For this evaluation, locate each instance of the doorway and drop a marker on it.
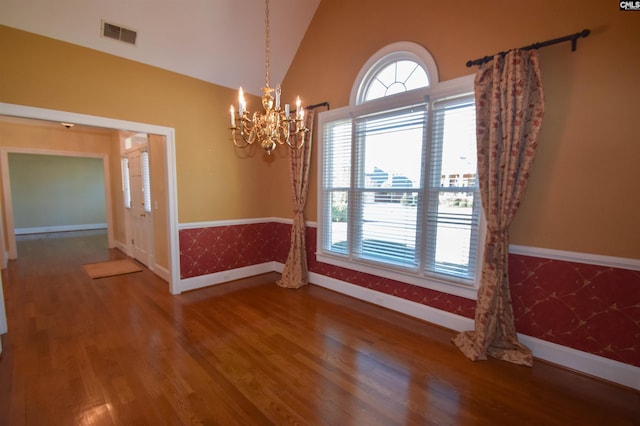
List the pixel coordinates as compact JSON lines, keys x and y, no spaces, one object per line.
{"x":5,"y":152}
{"x":171,"y":224}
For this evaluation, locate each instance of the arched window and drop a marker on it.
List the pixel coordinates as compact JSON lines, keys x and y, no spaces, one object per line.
{"x":397,"y":68}
{"x":396,"y":77}
{"x":398,"y":194}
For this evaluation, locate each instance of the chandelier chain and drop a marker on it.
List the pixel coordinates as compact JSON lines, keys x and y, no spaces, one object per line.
{"x":267,"y":60}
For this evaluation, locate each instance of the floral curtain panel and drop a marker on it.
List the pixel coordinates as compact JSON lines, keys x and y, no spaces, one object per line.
{"x":295,"y":273}
{"x":509,"y":110}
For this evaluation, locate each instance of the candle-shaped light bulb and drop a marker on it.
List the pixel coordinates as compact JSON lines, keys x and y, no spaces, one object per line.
{"x":233,"y":116}
{"x":298,"y":107}
{"x":278,"y":93}
{"x":241,"y":102}
{"x":286,"y":110}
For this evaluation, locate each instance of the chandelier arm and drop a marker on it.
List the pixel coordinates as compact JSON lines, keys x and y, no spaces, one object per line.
{"x":243,"y":143}
{"x":299,"y":137}
{"x":283,"y":132}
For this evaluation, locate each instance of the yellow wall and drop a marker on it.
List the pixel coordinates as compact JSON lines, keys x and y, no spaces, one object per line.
{"x":213,"y":182}
{"x":581,"y":195}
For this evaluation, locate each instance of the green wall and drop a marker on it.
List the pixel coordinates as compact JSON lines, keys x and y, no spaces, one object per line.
{"x":53,"y":191}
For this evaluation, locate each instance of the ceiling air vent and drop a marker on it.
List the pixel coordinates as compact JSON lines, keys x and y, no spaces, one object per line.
{"x":117,"y":32}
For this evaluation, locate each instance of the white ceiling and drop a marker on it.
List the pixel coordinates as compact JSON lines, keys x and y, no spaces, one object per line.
{"x":219,"y":41}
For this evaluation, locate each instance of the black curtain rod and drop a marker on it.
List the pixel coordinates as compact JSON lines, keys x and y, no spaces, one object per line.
{"x":573,"y":38}
{"x":321,"y":104}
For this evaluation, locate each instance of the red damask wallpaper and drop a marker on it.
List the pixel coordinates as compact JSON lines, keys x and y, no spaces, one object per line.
{"x":590,"y":308}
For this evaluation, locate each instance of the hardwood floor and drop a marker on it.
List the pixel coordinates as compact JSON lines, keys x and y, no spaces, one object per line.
{"x":123,"y":351}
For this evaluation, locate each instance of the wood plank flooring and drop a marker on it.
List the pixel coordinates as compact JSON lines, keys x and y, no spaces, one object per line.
{"x":123,"y":351}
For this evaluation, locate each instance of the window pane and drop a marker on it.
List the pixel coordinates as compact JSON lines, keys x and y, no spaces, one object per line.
{"x":387,"y":75}
{"x":336,"y":183}
{"x":417,"y":79}
{"x":397,"y":77}
{"x":391,"y":147}
{"x":339,"y":203}
{"x":388,"y":227}
{"x":146,"y":181}
{"x":126,"y":183}
{"x":454,"y":220}
{"x":337,"y":154}
{"x":388,"y":168}
{"x":375,"y":90}
{"x":453,"y":215}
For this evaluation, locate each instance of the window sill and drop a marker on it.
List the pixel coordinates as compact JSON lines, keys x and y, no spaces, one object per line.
{"x":456,"y":288}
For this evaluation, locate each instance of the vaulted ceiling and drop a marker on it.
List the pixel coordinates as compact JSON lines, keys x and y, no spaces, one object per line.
{"x":219,"y":41}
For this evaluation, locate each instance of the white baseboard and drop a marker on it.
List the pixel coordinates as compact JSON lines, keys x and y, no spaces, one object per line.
{"x":122,"y":247}
{"x":162,"y":272}
{"x":187,"y":284}
{"x":593,"y":365}
{"x":416,"y":310}
{"x":584,"y":362}
{"x":64,"y":228}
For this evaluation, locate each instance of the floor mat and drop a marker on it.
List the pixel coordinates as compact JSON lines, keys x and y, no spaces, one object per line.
{"x":111,"y":268}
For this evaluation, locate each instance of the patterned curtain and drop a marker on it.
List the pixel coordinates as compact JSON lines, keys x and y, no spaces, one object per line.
{"x":295,"y":273}
{"x":509,"y":110}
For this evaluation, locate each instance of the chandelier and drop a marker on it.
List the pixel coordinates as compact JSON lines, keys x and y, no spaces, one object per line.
{"x":273,"y":127}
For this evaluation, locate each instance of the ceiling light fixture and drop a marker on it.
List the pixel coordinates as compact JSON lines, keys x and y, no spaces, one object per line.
{"x":67,"y":125}
{"x":275,"y":126}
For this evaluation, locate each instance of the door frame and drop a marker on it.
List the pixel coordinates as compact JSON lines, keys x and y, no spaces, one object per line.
{"x":116,"y":124}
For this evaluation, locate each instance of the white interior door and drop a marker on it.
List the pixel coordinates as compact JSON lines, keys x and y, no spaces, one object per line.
{"x":140,"y":211}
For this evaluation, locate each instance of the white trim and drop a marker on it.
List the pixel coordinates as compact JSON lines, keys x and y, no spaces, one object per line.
{"x":229,"y":222}
{"x":201,"y":281}
{"x":584,"y":362}
{"x":123,"y":248}
{"x":416,"y":310}
{"x":597,"y":366}
{"x":162,"y":272}
{"x":169,"y":134}
{"x":235,"y":222}
{"x":61,"y":228}
{"x":570,"y":256}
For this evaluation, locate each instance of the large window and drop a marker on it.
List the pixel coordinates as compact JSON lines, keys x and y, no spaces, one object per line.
{"x":398,"y":195}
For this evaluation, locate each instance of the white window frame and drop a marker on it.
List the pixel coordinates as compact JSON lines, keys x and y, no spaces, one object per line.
{"x":126,"y":182}
{"x":146,"y":179}
{"x":436,"y":91}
